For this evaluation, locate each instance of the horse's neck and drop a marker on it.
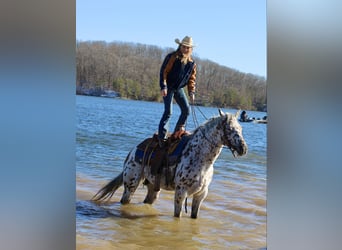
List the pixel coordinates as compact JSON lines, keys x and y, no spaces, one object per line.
{"x":207,"y":140}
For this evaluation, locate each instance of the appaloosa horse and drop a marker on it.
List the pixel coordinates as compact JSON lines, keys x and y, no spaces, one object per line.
{"x":193,"y":172}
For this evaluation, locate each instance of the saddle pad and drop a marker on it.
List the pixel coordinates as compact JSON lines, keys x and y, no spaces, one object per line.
{"x":149,"y":149}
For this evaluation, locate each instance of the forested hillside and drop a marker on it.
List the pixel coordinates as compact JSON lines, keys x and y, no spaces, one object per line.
{"x":132,"y":70}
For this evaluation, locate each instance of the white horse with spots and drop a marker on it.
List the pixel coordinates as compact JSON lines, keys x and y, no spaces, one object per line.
{"x":192,"y":174}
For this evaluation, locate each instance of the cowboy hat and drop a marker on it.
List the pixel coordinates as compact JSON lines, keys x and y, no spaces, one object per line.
{"x":187,"y":41}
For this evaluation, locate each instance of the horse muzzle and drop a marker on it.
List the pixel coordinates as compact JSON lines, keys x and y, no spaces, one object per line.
{"x":240,"y":151}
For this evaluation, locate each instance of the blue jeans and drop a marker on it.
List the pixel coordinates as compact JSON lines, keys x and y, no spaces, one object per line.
{"x":183,"y":103}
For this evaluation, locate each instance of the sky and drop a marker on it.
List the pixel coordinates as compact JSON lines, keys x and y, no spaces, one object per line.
{"x":231,"y":33}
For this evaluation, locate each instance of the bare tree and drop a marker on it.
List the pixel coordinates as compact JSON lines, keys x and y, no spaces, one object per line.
{"x":132,"y":69}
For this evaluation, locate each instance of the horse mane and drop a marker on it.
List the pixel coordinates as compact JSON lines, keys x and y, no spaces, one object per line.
{"x":212,"y":122}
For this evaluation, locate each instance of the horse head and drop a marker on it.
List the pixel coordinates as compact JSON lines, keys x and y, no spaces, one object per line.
{"x":232,"y":133}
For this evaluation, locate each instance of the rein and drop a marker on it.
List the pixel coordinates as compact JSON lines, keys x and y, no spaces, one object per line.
{"x":197,"y":123}
{"x":200,"y":128}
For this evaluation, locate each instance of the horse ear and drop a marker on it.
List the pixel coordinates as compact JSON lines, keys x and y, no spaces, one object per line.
{"x":237,"y":113}
{"x":221,"y":113}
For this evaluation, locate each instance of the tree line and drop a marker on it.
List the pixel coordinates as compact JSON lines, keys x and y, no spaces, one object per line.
{"x":132,"y":70}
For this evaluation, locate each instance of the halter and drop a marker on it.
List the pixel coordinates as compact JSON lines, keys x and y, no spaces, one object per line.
{"x":225,"y":141}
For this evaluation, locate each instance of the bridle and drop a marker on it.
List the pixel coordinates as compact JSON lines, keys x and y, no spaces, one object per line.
{"x":225,"y":140}
{"x":224,"y":123}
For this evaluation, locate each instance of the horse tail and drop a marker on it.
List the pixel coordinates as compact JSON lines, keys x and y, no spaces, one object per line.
{"x":105,"y":193}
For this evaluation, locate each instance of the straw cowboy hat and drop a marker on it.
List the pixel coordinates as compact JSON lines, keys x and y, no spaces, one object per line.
{"x":187,"y":41}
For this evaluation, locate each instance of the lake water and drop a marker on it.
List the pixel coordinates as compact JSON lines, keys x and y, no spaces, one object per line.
{"x":233,"y":216}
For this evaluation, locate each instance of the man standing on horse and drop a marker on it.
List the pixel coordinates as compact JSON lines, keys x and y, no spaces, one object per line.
{"x":177,"y":71}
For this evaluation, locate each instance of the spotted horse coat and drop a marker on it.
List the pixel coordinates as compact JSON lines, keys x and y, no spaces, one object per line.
{"x":192,"y":174}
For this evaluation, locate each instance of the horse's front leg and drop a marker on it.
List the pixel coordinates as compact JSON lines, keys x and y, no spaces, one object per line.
{"x":180,"y":195}
{"x":197,"y":201}
{"x":151,"y":194}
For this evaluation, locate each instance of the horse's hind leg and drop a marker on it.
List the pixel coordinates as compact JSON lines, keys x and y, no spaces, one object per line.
{"x":151,"y":194}
{"x":196,"y":202}
{"x":127,"y":194}
{"x":131,"y":178}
